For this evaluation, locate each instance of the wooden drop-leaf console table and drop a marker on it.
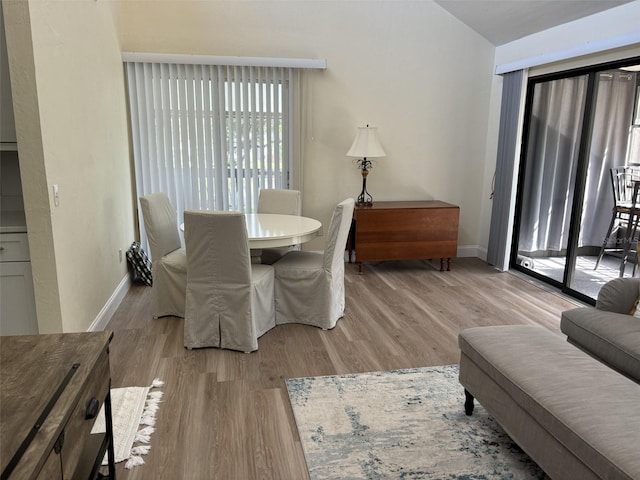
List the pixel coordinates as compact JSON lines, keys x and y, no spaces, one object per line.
{"x":407,"y":230}
{"x":51,"y":390}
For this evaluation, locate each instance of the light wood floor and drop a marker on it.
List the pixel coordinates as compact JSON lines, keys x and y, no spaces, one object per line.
{"x":226,"y":414}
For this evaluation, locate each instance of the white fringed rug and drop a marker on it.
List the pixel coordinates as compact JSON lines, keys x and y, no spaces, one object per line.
{"x":133,"y":411}
{"x":407,"y":424}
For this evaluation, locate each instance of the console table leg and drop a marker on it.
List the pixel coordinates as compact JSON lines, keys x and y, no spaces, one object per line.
{"x":449,"y":264}
{"x":442,"y":264}
{"x":109,"y":427}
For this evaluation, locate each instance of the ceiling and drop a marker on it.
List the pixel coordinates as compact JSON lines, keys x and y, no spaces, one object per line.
{"x":503,"y":21}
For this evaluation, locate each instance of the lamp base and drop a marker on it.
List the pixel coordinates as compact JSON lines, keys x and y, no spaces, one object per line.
{"x":364,"y":199}
{"x":361,"y":202}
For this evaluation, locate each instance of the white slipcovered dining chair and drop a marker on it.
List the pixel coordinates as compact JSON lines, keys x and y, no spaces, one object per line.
{"x":230,"y":301}
{"x":309,"y":285}
{"x":284,"y":202}
{"x":168,"y":257}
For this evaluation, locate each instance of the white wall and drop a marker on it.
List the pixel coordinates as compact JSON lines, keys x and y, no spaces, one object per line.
{"x":409,"y":68}
{"x":605,"y":28}
{"x":69,"y":103}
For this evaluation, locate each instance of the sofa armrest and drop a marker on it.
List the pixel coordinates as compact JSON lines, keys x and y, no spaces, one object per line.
{"x":618,"y":295}
{"x":612,"y":338}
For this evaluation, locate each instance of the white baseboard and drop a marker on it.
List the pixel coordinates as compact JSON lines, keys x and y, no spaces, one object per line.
{"x":463,"y":251}
{"x":101,"y":321}
{"x":472,"y":251}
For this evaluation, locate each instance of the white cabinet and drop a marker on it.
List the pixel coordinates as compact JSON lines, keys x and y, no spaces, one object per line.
{"x":17,"y":302}
{"x":14,"y":247}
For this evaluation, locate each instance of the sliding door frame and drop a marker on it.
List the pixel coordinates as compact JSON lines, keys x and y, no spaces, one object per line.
{"x":580,"y":176}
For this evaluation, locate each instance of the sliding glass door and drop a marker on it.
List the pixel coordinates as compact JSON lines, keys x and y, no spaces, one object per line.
{"x":577,"y":127}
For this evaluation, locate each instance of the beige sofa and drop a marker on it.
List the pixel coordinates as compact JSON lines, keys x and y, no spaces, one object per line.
{"x":576,"y":417}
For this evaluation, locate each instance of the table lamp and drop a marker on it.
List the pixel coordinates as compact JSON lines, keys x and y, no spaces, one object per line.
{"x":366,"y":145}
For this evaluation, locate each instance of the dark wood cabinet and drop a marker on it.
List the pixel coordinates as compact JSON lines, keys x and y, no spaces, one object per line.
{"x":404,"y":231}
{"x":51,"y":390}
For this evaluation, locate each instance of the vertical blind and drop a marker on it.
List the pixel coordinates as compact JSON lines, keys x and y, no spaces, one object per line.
{"x":209,"y":136}
{"x":507,"y":156}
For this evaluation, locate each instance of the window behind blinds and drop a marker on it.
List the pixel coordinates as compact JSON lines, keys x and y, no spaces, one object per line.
{"x":210,"y":136}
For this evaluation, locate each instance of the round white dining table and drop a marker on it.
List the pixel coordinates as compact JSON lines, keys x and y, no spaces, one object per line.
{"x":270,"y":230}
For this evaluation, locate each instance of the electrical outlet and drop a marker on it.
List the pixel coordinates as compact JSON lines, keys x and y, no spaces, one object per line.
{"x":56,"y":196}
{"x":120,"y":255}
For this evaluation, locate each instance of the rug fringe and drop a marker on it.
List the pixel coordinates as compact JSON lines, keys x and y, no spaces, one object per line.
{"x":144,"y":435}
{"x":134,"y":461}
{"x":154,"y":397}
{"x":148,"y":419}
{"x":140,"y":450}
{"x":157,"y":383}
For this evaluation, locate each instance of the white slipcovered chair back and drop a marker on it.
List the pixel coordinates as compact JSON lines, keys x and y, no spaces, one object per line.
{"x":337,"y":235}
{"x":161,"y":224}
{"x":285,"y":202}
{"x":333,"y":260}
{"x":168,"y":257}
{"x":310,"y":285}
{"x":229,"y":302}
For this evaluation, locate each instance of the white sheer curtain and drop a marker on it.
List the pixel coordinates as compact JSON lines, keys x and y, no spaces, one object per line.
{"x":609,"y":141}
{"x":210,"y":136}
{"x":552,"y":156}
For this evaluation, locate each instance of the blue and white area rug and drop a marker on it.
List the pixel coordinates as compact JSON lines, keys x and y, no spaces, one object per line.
{"x":407,"y":424}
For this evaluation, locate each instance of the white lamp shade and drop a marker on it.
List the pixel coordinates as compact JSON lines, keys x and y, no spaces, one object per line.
{"x":366,"y":144}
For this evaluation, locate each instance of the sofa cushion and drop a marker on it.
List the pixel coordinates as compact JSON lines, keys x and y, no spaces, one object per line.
{"x":613,"y":338}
